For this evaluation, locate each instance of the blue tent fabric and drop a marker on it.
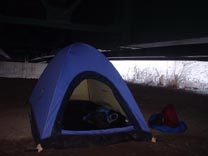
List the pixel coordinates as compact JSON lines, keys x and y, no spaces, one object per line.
{"x":69,"y":63}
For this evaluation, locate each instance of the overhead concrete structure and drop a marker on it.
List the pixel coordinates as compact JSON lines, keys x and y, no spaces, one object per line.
{"x":37,"y":28}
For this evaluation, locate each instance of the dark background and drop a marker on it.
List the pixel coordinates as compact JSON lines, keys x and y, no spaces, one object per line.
{"x":31,"y":29}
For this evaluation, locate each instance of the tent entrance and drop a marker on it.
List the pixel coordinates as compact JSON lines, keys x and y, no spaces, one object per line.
{"x":93,"y":106}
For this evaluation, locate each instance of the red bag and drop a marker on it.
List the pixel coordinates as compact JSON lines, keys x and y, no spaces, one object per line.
{"x":170,"y":116}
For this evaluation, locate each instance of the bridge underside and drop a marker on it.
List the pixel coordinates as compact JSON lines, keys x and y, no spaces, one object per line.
{"x":137,"y":30}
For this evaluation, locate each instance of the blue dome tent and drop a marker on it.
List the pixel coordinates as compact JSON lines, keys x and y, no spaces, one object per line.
{"x":80,"y":72}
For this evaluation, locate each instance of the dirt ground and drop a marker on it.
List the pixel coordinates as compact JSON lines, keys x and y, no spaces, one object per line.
{"x":16,"y":139}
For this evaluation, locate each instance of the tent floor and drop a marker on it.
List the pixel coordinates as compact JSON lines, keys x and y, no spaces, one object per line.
{"x":84,"y":115}
{"x":15,"y":134}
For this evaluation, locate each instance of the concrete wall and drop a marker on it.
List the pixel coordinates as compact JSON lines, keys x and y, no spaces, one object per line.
{"x":21,"y":70}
